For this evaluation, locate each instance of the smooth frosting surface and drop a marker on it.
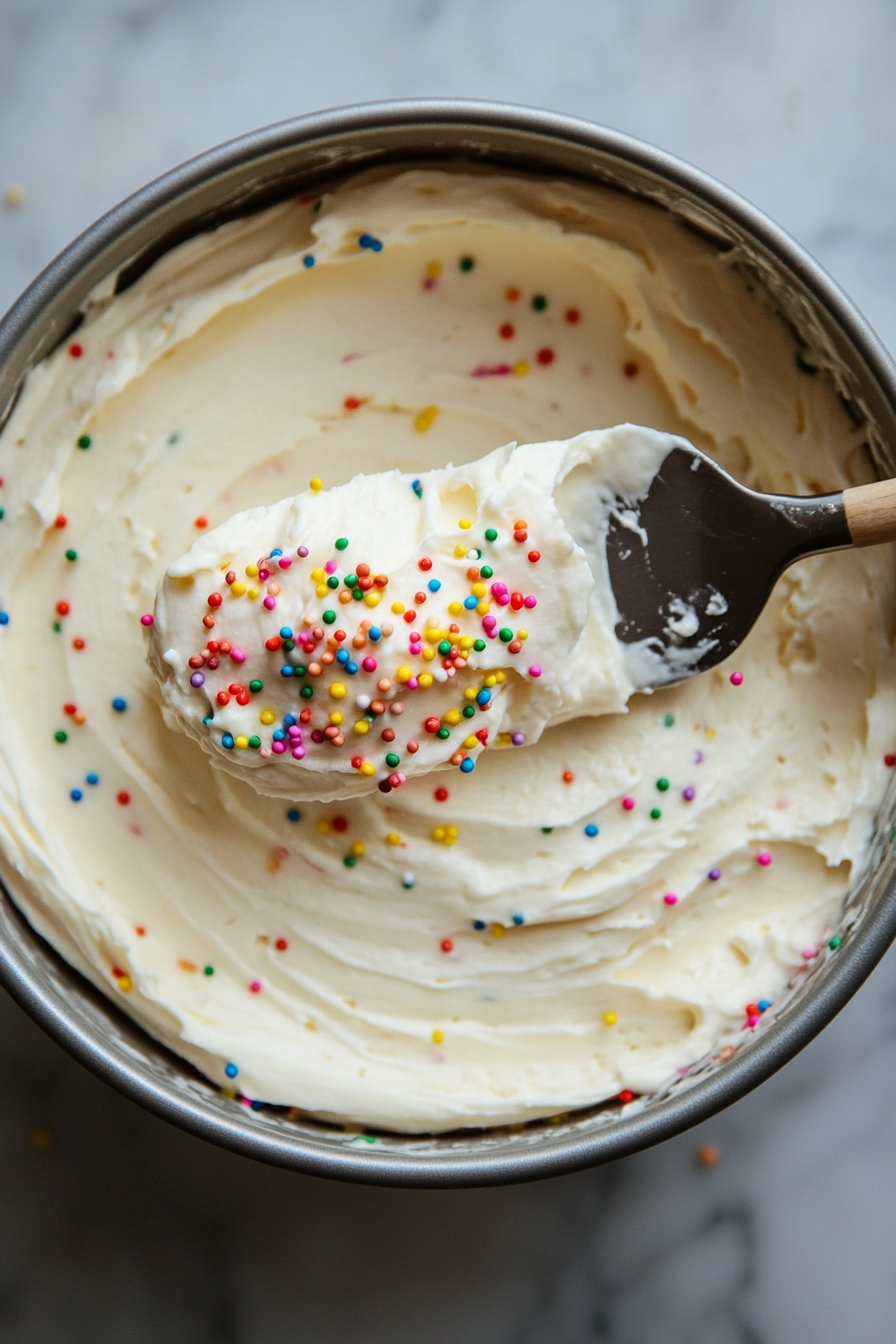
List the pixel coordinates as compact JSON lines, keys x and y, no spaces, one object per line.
{"x":470,"y":948}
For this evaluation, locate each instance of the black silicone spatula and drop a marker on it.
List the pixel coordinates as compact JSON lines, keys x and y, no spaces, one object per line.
{"x":693,"y":562}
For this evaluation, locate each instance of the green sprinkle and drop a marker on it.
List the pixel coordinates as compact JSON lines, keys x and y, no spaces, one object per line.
{"x":443,"y":733}
{"x":2,"y":513}
{"x":546,"y":830}
{"x":835,"y":943}
{"x":306,"y":692}
{"x":466,"y":263}
{"x":256,"y":686}
{"x":357,"y":594}
{"x":655,"y":814}
{"x":173,"y":439}
{"x":61,"y":735}
{"x":539,"y":303}
{"x":341,"y":543}
{"x":478,"y":645}
{"x":333,"y":582}
{"x":208,"y":719}
{"x":299,"y":670}
{"x":662,"y":785}
{"x":289,"y":645}
{"x":486,"y":571}
{"x":444,"y":647}
{"x":71,"y":555}
{"x":57,"y":627}
{"x":208,"y":970}
{"x":84,"y":441}
{"x":804,"y":364}
{"x":392,"y":759}
{"x":329,"y":617}
{"x":254,"y":742}
{"x":349,"y":860}
{"x":668,"y":720}
{"x":491,"y":534}
{"x":505,"y":635}
{"x":351,"y":580}
{"x":468,"y":711}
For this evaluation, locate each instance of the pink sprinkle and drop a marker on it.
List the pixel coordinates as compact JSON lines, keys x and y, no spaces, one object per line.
{"x":763,"y":858}
{"x":498,"y":587}
{"x":298,"y":753}
{"x":255,"y":986}
{"x":302,"y":552}
{"x":736,"y":678}
{"x":284,"y":562}
{"x":146,"y":620}
{"x":530,"y":602}
{"x":278,"y":748}
{"x":670,"y":898}
{"x":330,"y":567}
{"x":752,"y":1019}
{"x":294,"y":730}
{"x":535,"y":670}
{"x":502,"y":599}
{"x":412,"y":683}
{"x":809,"y":953}
{"x":270,"y":603}
{"x":429,"y":283}
{"x":369,"y":664}
{"x":237,"y":656}
{"x":489,"y":622}
{"x":628,"y":804}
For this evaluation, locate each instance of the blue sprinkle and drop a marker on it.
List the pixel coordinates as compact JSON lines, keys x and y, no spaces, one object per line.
{"x":286,"y":670}
{"x":591,"y":830}
{"x":763,"y":1005}
{"x":365,"y":240}
{"x":467,"y":765}
{"x":275,"y":554}
{"x":119,"y":704}
{"x":4,"y":618}
{"x":227,"y":741}
{"x":417,"y":489}
{"x":479,"y":925}
{"x":434,"y":585}
{"x":343,"y":656}
{"x":483,"y":696}
{"x":518,"y":919}
{"x":471,"y":602}
{"x":286,"y":632}
{"x":256,"y":1105}
{"x":375,"y":633}
{"x":279,"y":735}
{"x":289,"y":720}
{"x":293,"y":814}
{"x":376,"y":245}
{"x":231,"y":1070}
{"x":76,"y":795}
{"x":351,"y":667}
{"x":92,"y":778}
{"x":308,"y":261}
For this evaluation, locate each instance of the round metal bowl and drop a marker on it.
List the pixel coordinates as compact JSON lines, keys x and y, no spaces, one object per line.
{"x":269,"y":165}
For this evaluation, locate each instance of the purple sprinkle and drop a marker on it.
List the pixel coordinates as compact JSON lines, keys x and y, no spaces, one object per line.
{"x":698,"y":757}
{"x":689,"y":794}
{"x":714,"y":874}
{"x":197,"y":679}
{"x":517,"y":739}
{"x":302,"y":552}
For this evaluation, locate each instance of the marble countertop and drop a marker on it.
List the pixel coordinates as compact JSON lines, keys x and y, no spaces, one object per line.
{"x":114,"y":1226}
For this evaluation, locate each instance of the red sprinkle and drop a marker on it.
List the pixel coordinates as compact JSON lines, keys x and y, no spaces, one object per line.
{"x":410,"y":617}
{"x":625,"y":1096}
{"x":533,"y":557}
{"x":69,"y":708}
{"x":889,"y":761}
{"x":352,"y":403}
{"x":200,"y":522}
{"x":123,"y":798}
{"x":545,"y":355}
{"x":140,"y":930}
{"x":76,"y":350}
{"x":281,"y":944}
{"x":78,"y":644}
{"x":568,"y":776}
{"x":61,"y":520}
{"x":339,"y":824}
{"x":412,"y":747}
{"x":572,"y":315}
{"x":424,"y":562}
{"x":62,"y":608}
{"x":441,"y":795}
{"x":446,"y":945}
{"x":506,"y":331}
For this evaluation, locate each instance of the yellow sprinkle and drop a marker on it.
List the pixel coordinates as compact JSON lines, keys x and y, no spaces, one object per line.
{"x":483,"y":608}
{"x":338,"y":691}
{"x":709,"y":732}
{"x":464,"y":523}
{"x":368,"y":769}
{"x":438,"y":834}
{"x":242,"y":741}
{"x":372,"y":599}
{"x":403,"y":674}
{"x":15,"y":196}
{"x":323,"y":826}
{"x":438,"y":1037}
{"x":238,"y":588}
{"x":424,"y":679}
{"x":322,"y":590}
{"x":478,"y":590}
{"x":251,"y":571}
{"x":453,"y":716}
{"x":273,"y":865}
{"x":470,"y":693}
{"x":491,"y":680}
{"x":425,"y":418}
{"x":315,"y":484}
{"x":397,"y":608}
{"x":522,"y":634}
{"x":466,"y":642}
{"x":471,"y":742}
{"x":498,"y":930}
{"x":393,"y":838}
{"x":428,"y":655}
{"x":336,"y":717}
{"x":358,"y":849}
{"x":125,"y":984}
{"x":450,"y":835}
{"x":611,"y":1019}
{"x":455,"y":608}
{"x":252,"y":594}
{"x":459,"y":551}
{"x":319,"y":575}
{"x":434,"y":270}
{"x":499,"y":676}
{"x":267,"y":716}
{"x":362,"y":727}
{"x":521,"y":368}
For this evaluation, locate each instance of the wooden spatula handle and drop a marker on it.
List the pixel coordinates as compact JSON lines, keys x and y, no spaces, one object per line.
{"x":871,"y":513}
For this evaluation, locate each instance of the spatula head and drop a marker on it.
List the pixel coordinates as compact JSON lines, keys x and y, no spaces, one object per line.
{"x":692,"y":563}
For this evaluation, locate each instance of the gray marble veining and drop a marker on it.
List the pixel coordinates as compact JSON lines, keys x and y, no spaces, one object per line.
{"x":115,"y":1227}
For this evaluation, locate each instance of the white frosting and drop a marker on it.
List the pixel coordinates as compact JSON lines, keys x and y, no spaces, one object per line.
{"x":529,"y":643}
{"x":224,"y":380}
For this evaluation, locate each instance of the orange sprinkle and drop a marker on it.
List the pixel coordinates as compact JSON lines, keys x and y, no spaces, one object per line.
{"x":200,"y":522}
{"x":568,"y":776}
{"x":187,"y":965}
{"x":511,"y":294}
{"x":78,"y":644}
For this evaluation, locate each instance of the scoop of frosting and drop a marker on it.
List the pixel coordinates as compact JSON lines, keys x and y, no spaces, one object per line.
{"x":346,"y":640}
